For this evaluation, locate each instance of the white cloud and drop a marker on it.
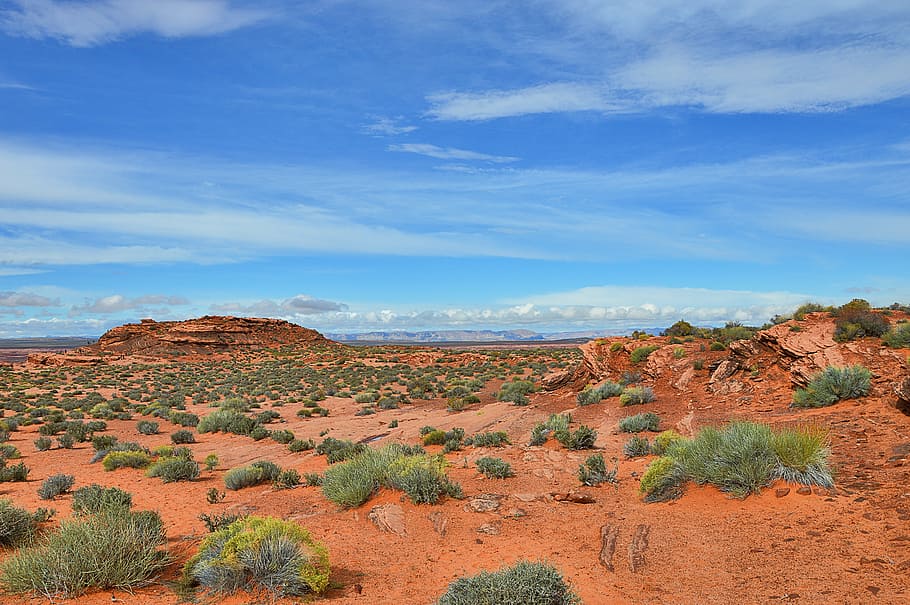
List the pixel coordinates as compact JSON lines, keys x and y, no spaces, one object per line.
{"x":117,"y":303}
{"x":300,"y":305}
{"x":543,"y":98}
{"x":90,"y":23}
{"x":25,"y":299}
{"x":449,"y":153}
{"x":383,"y":126}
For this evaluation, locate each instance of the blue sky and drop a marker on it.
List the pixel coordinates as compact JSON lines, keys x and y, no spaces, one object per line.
{"x":365,"y":165}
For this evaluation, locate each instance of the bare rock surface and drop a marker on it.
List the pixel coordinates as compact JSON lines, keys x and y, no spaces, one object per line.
{"x":388,"y":518}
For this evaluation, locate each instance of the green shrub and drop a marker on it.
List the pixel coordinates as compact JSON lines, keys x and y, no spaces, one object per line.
{"x":516,"y":391}
{"x":43,"y":444}
{"x":214,"y":522}
{"x":599,"y":393}
{"x":336,"y":450}
{"x":287,"y":479}
{"x":663,"y":441}
{"x":698,"y":364}
{"x":227,"y":421}
{"x":16,"y":472}
{"x":17,"y":526}
{"x":241,"y":477}
{"x":832,"y":385}
{"x":113,"y":549}
{"x":301,"y":445}
{"x":174,"y":468}
{"x":582,"y":438}
{"x":259,"y":433}
{"x":66,"y":441}
{"x":639,"y":422}
{"x":615,"y":346}
{"x":636,"y":447}
{"x":55,"y":485}
{"x":717,"y":346}
{"x":494,"y":468}
{"x":857,"y":320}
{"x":641,"y":353}
{"x":524,"y":583}
{"x":103,"y":442}
{"x":490,"y":439}
{"x":282,"y":436}
{"x":182,"y":437}
{"x":740,"y":459}
{"x":898,"y":337}
{"x":94,"y":498}
{"x":183,"y":419}
{"x":636,"y":396}
{"x":435,"y":437}
{"x":147,"y":427}
{"x":130,"y":459}
{"x":594,"y":471}
{"x":211,"y":462}
{"x":260,"y":552}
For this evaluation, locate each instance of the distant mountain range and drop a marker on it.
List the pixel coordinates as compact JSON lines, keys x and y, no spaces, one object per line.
{"x":431,"y":336}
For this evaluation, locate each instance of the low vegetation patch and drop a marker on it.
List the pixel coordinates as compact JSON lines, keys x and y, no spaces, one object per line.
{"x":898,"y":337}
{"x":95,"y":498}
{"x":55,"y":485}
{"x":856,"y":319}
{"x":114,"y":549}
{"x":636,"y":447}
{"x":599,"y":393}
{"x":642,"y":353}
{"x":494,"y":468}
{"x":740,"y":459}
{"x":639,"y":422}
{"x":832,"y":385}
{"x":636,"y":396}
{"x":422,"y":477}
{"x":259,"y":553}
{"x":524,"y":583}
{"x":17,"y":526}
{"x":593,"y":471}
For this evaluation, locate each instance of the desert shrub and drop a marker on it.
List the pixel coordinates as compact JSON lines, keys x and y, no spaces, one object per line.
{"x":287,"y":479}
{"x":556,"y":422}
{"x":717,"y":346}
{"x":582,"y":438}
{"x":214,"y":522}
{"x":182,"y":437}
{"x":615,"y":346}
{"x":17,"y":526}
{"x":436,"y":437}
{"x":639,"y":422}
{"x":898,"y":337}
{"x":130,"y":459}
{"x":805,"y":309}
{"x":183,"y":418}
{"x":663,"y":441}
{"x":516,"y":391}
{"x":421,"y":477}
{"x":174,"y":468}
{"x":312,"y":479}
{"x":260,"y":553}
{"x":698,"y":364}
{"x":66,"y":441}
{"x":103,"y":442}
{"x":636,"y":396}
{"x":599,"y":393}
{"x":259,"y":433}
{"x":301,"y":445}
{"x":43,"y":444}
{"x":387,"y":403}
{"x":282,"y":436}
{"x":857,"y":320}
{"x":336,"y":450}
{"x":369,"y":397}
{"x":241,"y":477}
{"x":539,"y":434}
{"x":147,"y":427}
{"x":494,"y":468}
{"x":679,"y":353}
{"x":490,"y":439}
{"x":113,"y":549}
{"x":593,"y":471}
{"x":210,"y":462}
{"x":269,"y":469}
{"x":94,"y":498}
{"x":641,"y":353}
{"x":636,"y":447}
{"x":524,"y":583}
{"x":227,"y":421}
{"x":832,"y":385}
{"x":16,"y":472}
{"x":680,"y":328}
{"x":629,"y":377}
{"x":55,"y":485}
{"x":213,"y":496}
{"x":740,"y":459}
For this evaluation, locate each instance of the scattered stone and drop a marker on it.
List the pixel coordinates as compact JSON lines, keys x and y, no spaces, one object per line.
{"x":637,"y":547}
{"x":484,"y":503}
{"x":608,"y":535}
{"x":873,"y":589}
{"x":528,"y":497}
{"x":576,"y":497}
{"x":388,"y":518}
{"x":805,"y":490}
{"x":781,"y":492}
{"x":490,"y":529}
{"x":440,"y":522}
{"x":516,"y":513}
{"x":724,"y":370}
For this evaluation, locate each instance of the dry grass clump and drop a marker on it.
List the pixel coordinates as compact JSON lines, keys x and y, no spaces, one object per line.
{"x":832,"y":385}
{"x":525,"y":583}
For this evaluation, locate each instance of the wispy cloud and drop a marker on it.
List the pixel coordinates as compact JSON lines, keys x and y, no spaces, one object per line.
{"x":300,"y":305}
{"x":94,"y":22}
{"x":542,"y":98}
{"x":26,"y":299}
{"x":450,"y":153}
{"x":383,"y":126}
{"x":117,"y":303}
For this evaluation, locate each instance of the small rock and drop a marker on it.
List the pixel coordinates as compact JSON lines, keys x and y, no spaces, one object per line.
{"x":608,"y":535}
{"x":576,"y":497}
{"x":638,"y":546}
{"x":484,"y":503}
{"x":805,"y":490}
{"x":440,"y":522}
{"x":490,"y":529}
{"x":516,"y":513}
{"x":388,"y":518}
{"x":527,"y":497}
{"x":781,"y":492}
{"x":873,"y":589}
